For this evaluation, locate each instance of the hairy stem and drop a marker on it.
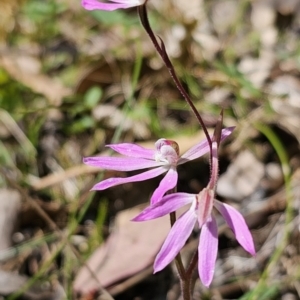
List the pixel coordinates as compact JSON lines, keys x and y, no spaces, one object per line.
{"x":160,"y":48}
{"x":192,"y":266}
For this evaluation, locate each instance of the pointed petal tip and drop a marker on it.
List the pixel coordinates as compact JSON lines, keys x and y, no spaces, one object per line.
{"x":251,"y":251}
{"x":248,"y":246}
{"x":149,"y":213}
{"x":206,"y":284}
{"x":208,"y":250}
{"x":238,"y":225}
{"x":229,"y":130}
{"x":157,"y":266}
{"x":143,"y":215}
{"x":98,"y":187}
{"x":94,"y":188}
{"x":207,"y":281}
{"x":246,"y":242}
{"x":137,"y":218}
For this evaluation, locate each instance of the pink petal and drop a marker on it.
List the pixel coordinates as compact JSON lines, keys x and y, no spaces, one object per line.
{"x":237,"y":224}
{"x":207,"y":251}
{"x":117,"y":181}
{"x":202,"y":148}
{"x":166,"y":184}
{"x":168,"y":204}
{"x":94,"y":4}
{"x":120,"y":163}
{"x":133,"y":150}
{"x":226,"y":132}
{"x":194,"y":152}
{"x":132,"y":2}
{"x":176,"y":239}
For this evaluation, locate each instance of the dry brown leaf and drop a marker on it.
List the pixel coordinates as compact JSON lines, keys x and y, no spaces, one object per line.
{"x":131,"y":248}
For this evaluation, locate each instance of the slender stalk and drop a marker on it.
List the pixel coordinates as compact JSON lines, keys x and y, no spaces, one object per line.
{"x":142,"y":11}
{"x":186,"y":289}
{"x":193,"y":263}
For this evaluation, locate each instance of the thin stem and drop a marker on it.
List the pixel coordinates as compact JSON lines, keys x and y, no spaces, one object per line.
{"x":193,"y":263}
{"x":186,"y":289}
{"x":142,"y":11}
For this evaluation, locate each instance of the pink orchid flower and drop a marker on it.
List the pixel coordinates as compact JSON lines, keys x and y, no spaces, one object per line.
{"x":116,"y":4}
{"x":200,"y":210}
{"x":164,"y":159}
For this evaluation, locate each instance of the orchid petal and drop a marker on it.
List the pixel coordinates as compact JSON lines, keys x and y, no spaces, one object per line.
{"x":166,"y":184}
{"x":175,"y":240}
{"x":133,"y":150}
{"x":120,"y":163}
{"x":120,"y":180}
{"x":194,"y":152}
{"x":207,"y":251}
{"x":94,"y":4}
{"x":226,"y":132}
{"x":168,"y":204}
{"x":202,"y":147}
{"x":132,"y":2}
{"x":237,"y":223}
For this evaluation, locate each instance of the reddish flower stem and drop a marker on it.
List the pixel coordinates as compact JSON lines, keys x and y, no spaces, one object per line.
{"x":142,"y":11}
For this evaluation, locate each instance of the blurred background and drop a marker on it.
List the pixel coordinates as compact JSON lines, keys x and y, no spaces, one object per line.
{"x":73,"y":80}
